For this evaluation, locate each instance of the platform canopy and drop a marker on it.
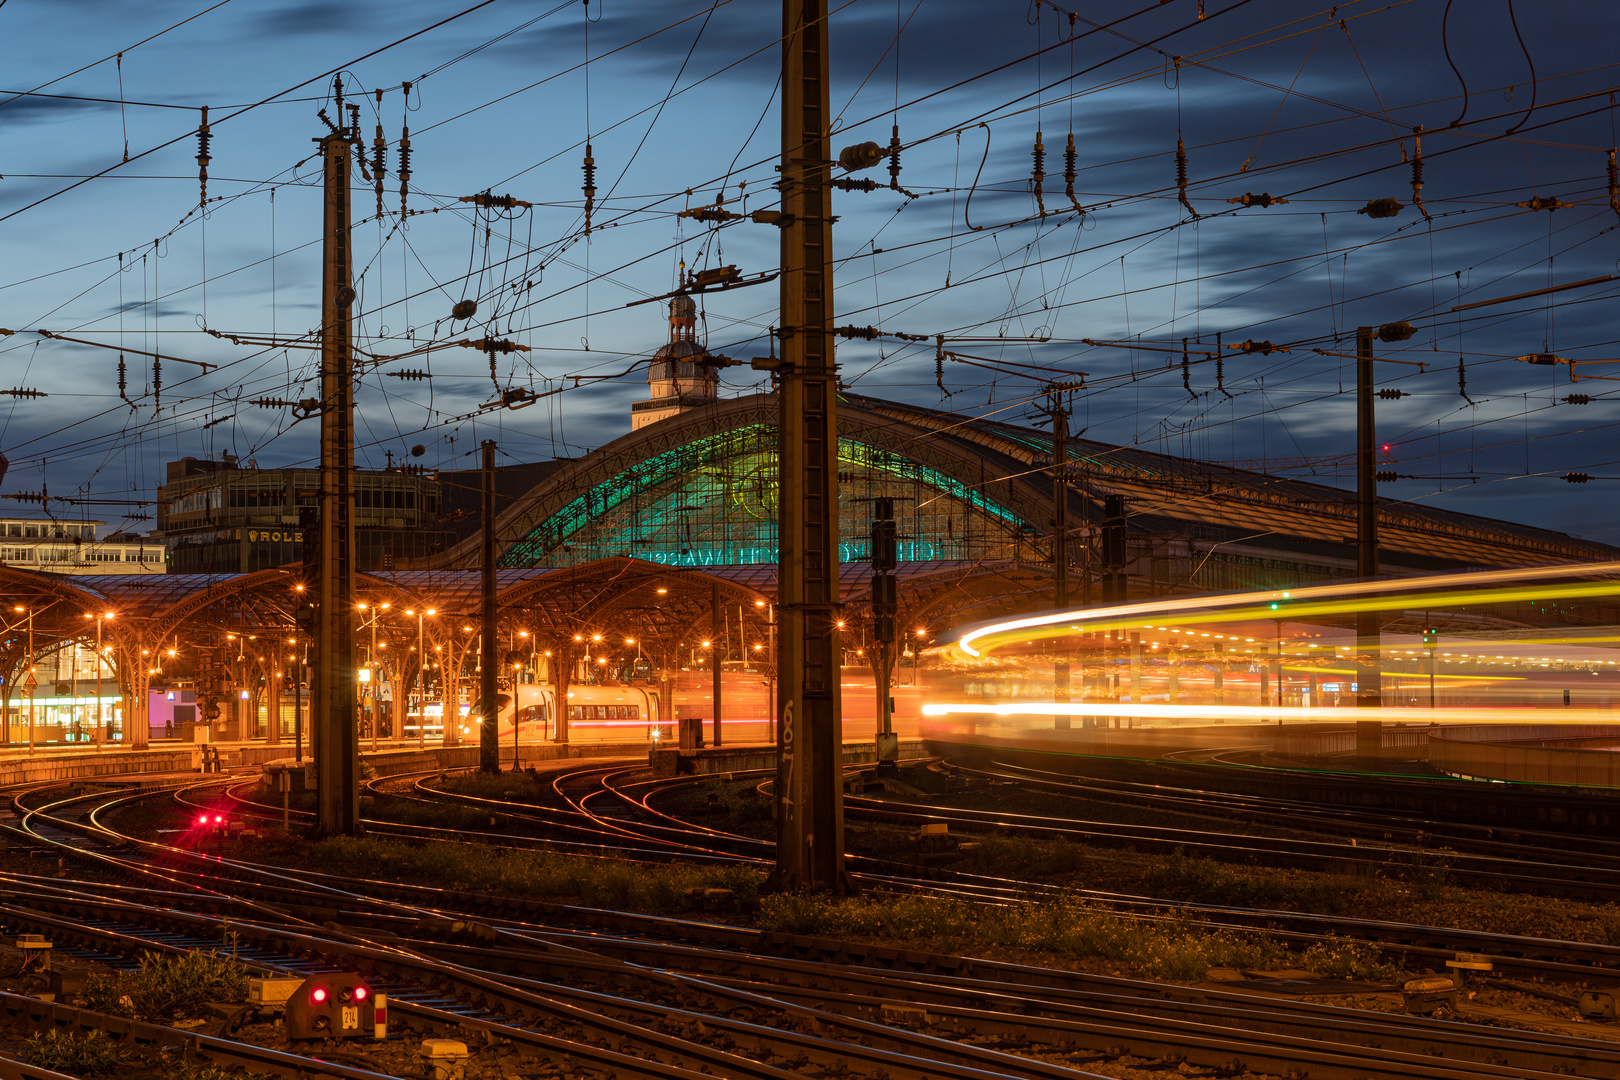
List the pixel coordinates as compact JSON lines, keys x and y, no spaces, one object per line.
{"x":200,"y":627}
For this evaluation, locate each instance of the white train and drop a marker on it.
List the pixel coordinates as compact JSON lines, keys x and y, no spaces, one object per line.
{"x":603,"y":714}
{"x":600,"y":714}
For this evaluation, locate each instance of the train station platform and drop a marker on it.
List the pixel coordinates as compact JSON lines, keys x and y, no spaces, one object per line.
{"x":169,"y":760}
{"x":110,"y":765}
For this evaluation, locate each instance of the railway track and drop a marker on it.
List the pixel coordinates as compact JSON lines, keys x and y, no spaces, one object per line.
{"x":1412,"y":945}
{"x":542,"y":969}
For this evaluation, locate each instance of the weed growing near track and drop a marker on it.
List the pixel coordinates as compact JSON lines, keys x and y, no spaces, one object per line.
{"x":90,"y":1054}
{"x":605,"y":882}
{"x":436,"y":815}
{"x":1169,"y":948}
{"x":93,"y":1053}
{"x":508,"y":786}
{"x":168,"y":987}
{"x":1202,"y":881}
{"x":1341,"y":958}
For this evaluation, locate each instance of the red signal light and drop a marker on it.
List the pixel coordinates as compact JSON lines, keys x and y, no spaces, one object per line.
{"x":361,"y":993}
{"x":318,"y":995}
{"x":203,"y":820}
{"x":218,"y":818}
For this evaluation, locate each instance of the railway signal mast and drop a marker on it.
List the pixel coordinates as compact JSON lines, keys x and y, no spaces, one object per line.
{"x":885,"y":607}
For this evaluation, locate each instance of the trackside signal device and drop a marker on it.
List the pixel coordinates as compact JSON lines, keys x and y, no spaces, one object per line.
{"x":341,"y":1006}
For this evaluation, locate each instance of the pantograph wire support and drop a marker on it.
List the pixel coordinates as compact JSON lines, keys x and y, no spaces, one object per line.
{"x":1614,"y":185}
{"x":939,"y":364}
{"x":204,"y":138}
{"x":404,"y":159}
{"x":157,"y":385}
{"x":1186,"y":370}
{"x":379,"y":157}
{"x":123,"y":379}
{"x":894,"y":158}
{"x":1037,"y":179}
{"x":1181,"y":178}
{"x":589,"y":187}
{"x":1417,"y":172}
{"x":1462,"y":380}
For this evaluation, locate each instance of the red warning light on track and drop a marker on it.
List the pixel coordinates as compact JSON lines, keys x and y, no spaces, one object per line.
{"x":203,"y":820}
{"x":361,"y":993}
{"x":218,"y":818}
{"x":318,"y":995}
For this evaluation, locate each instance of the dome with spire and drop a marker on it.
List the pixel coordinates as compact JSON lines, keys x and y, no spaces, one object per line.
{"x":678,"y":378}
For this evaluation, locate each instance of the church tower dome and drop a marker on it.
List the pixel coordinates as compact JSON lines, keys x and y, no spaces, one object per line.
{"x":678,"y":378}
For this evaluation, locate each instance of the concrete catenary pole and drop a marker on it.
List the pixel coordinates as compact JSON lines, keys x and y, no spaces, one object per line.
{"x":336,"y":742}
{"x":810,"y":806}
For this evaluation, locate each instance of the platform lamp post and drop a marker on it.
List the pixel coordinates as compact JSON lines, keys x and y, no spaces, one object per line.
{"x":101,"y":730}
{"x":370,"y":678}
{"x":32,"y":682}
{"x":421,"y":677}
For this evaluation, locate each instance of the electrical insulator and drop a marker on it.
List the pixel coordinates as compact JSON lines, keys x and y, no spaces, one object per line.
{"x":1262,"y":200}
{"x":379,"y":163}
{"x":1385,"y":477}
{"x":1186,"y":369}
{"x":1545,"y":202}
{"x":894,"y":158}
{"x":123,"y":380}
{"x":1417,"y":172}
{"x":204,"y":138}
{"x":409,"y":374}
{"x":1392,"y":395}
{"x":1037,"y":180}
{"x":1181,"y":178}
{"x":589,"y":187}
{"x":1614,"y":185}
{"x":1220,"y":374}
{"x":354,"y":130}
{"x":859,"y":156}
{"x":157,"y":384}
{"x":1069,"y":172}
{"x":857,"y":333}
{"x":404,"y":157}
{"x":1578,"y":399}
{"x":1576,"y":477}
{"x":1382,"y":208}
{"x":19,"y":392}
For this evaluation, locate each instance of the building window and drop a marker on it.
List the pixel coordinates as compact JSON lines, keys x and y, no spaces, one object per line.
{"x":17,"y":554}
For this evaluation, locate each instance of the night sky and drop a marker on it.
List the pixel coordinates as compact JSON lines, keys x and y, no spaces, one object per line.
{"x":679,"y":100}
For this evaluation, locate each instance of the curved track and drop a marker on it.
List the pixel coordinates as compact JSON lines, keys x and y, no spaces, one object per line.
{"x":709,"y":1006}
